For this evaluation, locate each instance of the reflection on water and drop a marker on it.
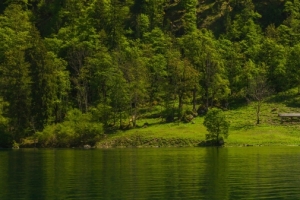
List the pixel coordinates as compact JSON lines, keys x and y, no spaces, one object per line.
{"x":163,"y":173}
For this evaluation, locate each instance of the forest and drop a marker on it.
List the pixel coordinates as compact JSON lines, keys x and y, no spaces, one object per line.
{"x":73,"y":70}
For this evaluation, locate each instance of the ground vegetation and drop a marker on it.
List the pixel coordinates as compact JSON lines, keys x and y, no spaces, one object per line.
{"x":108,"y":63}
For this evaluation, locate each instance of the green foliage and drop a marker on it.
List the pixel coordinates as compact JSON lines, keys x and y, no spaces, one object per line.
{"x":110,"y":59}
{"x":243,"y":129}
{"x":50,"y":84}
{"x":77,"y":130}
{"x":257,"y":88}
{"x":202,"y":49}
{"x":6,"y":139}
{"x":293,"y":66}
{"x":170,"y":113}
{"x":216,"y":124}
{"x":274,"y":56}
{"x":190,"y":15}
{"x":15,"y":80}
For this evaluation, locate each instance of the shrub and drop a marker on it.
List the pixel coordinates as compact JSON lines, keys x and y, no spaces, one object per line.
{"x":77,"y":130}
{"x":216,"y":124}
{"x":47,"y":138}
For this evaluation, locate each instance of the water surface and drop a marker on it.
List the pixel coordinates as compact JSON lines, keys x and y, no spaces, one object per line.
{"x":162,"y":173}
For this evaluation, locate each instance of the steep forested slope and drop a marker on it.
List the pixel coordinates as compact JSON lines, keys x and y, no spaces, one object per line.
{"x":68,"y":63}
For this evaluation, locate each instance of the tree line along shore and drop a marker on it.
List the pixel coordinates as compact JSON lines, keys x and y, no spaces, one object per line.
{"x":74,"y":73}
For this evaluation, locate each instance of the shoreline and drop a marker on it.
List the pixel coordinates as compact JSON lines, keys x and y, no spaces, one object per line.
{"x":147,"y":146}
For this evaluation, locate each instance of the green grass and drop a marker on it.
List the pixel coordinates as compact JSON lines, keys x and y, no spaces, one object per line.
{"x":243,"y":130}
{"x":157,"y":134}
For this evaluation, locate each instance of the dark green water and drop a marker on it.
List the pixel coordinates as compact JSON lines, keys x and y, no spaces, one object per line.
{"x":163,"y":173}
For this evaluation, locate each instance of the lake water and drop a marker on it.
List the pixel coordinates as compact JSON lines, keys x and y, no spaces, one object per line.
{"x":162,"y":173}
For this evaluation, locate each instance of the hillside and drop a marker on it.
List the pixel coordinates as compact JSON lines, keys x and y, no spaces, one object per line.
{"x":73,"y":71}
{"x":243,"y":130}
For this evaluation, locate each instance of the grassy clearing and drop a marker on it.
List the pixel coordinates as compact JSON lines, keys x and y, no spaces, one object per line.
{"x":157,"y":135}
{"x":243,"y":130}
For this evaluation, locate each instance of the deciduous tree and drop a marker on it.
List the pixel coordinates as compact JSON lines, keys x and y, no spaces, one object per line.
{"x":216,"y":125}
{"x":15,"y":80}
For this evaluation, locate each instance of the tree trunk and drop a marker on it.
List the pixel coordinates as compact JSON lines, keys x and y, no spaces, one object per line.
{"x":194,"y":99}
{"x":258,"y":112}
{"x":207,"y":100}
{"x":120,"y":119}
{"x":180,"y":106}
{"x":115,"y":118}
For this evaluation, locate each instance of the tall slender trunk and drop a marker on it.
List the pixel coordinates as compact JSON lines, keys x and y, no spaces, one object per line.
{"x":194,"y":99}
{"x":120,"y":113}
{"x":115,"y":118}
{"x":180,"y":105}
{"x":207,"y":99}
{"x":258,"y":112}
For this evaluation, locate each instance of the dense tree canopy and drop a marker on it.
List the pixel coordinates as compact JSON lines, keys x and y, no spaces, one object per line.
{"x":107,"y":59}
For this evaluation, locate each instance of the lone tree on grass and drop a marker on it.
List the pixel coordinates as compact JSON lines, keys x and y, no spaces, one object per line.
{"x":257,"y":89}
{"x":217,"y":125}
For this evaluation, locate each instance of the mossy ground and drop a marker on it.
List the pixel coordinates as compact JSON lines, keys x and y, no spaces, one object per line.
{"x":243,"y":130}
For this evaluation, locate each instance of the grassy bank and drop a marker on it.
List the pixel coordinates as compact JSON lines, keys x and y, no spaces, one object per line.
{"x":243,"y":130}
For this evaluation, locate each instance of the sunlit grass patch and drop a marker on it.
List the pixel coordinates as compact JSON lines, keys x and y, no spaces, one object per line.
{"x":243,"y":130}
